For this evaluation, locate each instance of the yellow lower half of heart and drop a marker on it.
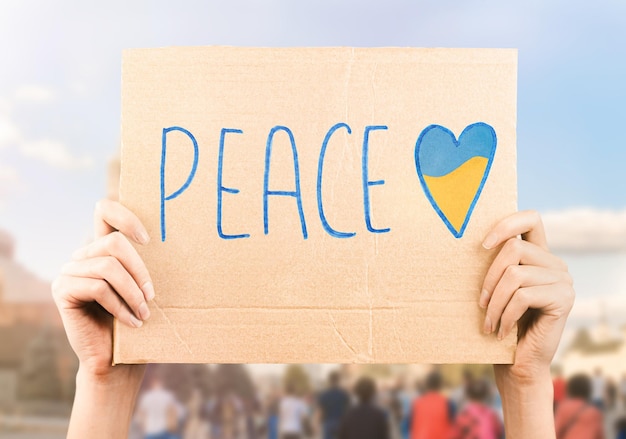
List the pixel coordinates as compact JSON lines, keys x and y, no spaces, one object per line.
{"x":454,"y":192}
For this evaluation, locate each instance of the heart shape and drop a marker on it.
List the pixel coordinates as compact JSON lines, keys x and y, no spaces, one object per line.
{"x":453,"y":173}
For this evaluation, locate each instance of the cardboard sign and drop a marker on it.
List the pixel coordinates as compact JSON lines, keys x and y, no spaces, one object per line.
{"x":317,"y":205}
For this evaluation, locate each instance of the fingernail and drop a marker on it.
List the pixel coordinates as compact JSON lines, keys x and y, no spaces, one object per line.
{"x":487,"y":326}
{"x":490,"y":241}
{"x":78,"y":254}
{"x":148,"y":290}
{"x":142,"y":237}
{"x":135,"y":321}
{"x":484,"y":299}
{"x":144,"y":312}
{"x":500,"y":334}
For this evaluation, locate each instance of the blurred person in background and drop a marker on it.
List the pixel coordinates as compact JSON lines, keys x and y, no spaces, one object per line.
{"x":255,"y":424}
{"x":89,"y":294}
{"x":598,"y":388}
{"x":401,"y":401}
{"x":610,"y":394}
{"x":459,"y":394}
{"x":365,"y":420}
{"x":620,"y":427}
{"x":292,"y":415}
{"x":197,"y":425}
{"x":227,"y":416}
{"x":560,"y":387}
{"x":159,"y":412}
{"x":432,"y":413}
{"x":477,"y":420}
{"x":333,"y":404}
{"x":576,"y":417}
{"x":272,"y":408}
{"x":622,"y":390}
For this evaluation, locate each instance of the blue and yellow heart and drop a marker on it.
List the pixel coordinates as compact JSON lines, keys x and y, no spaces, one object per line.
{"x":453,"y":172}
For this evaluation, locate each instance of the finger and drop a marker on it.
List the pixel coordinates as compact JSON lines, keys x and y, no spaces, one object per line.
{"x":74,"y":292}
{"x":551,"y":301}
{"x":111,"y":270}
{"x":110,"y":216}
{"x":527,"y":223}
{"x":515,"y":252}
{"x":117,"y":245}
{"x":517,"y":277}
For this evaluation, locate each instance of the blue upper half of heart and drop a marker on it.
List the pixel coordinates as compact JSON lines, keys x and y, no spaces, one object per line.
{"x":439,"y":153}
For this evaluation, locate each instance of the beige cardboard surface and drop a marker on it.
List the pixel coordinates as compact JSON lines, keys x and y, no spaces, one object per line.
{"x":371,"y":261}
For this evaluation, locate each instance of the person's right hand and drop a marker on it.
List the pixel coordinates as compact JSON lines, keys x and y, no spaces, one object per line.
{"x":105,"y":279}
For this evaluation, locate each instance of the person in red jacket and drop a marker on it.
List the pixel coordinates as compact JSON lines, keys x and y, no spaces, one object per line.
{"x":576,"y":417}
{"x":477,"y":419}
{"x":432,"y":413}
{"x":560,"y":387}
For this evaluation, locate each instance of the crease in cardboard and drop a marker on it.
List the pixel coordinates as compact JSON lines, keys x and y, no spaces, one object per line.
{"x":395,"y":330}
{"x":173,"y":326}
{"x":347,"y":82}
{"x":370,"y":342}
{"x":373,"y":82}
{"x":390,"y":306}
{"x":341,"y":337}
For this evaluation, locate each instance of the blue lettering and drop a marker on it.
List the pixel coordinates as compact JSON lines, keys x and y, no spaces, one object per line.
{"x":266,"y":180}
{"x":366,"y":182}
{"x":320,"y":167}
{"x":185,"y":185}
{"x":221,"y":188}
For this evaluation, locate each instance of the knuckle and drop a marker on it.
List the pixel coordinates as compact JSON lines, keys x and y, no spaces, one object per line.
{"x":568,"y":279}
{"x":66,"y":268}
{"x":521,"y":297}
{"x":516,"y":245}
{"x":57,"y":287}
{"x":99,"y":208}
{"x":570,"y":295}
{"x":108,"y":265}
{"x":97,"y":289}
{"x":512,"y":247}
{"x":491,"y":280}
{"x":535,"y":216}
{"x":115,"y":242}
{"x":563,"y":267}
{"x":513,"y":274}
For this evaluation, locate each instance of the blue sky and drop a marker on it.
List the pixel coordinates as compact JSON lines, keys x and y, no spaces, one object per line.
{"x":60,"y":87}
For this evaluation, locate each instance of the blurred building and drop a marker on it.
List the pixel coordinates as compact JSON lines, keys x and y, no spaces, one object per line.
{"x":36,"y":362}
{"x":601,"y":347}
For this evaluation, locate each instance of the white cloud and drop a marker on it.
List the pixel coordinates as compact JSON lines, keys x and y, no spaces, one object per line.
{"x":34,"y":93}
{"x":586,"y":229}
{"x":7,"y":175}
{"x":79,"y":88}
{"x":49,"y":151}
{"x":9,"y":133}
{"x":55,"y":154}
{"x":9,"y":182}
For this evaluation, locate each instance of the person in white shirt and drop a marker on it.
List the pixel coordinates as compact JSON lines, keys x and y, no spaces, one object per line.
{"x":292,"y":414}
{"x":598,"y":388}
{"x":158,"y":411}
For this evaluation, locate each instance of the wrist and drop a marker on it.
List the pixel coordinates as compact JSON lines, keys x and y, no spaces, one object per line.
{"x":104,"y":403}
{"x":527,"y":402}
{"x":120,"y":376}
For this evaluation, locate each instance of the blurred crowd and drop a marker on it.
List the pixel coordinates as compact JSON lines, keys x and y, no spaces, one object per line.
{"x":586,"y":407}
